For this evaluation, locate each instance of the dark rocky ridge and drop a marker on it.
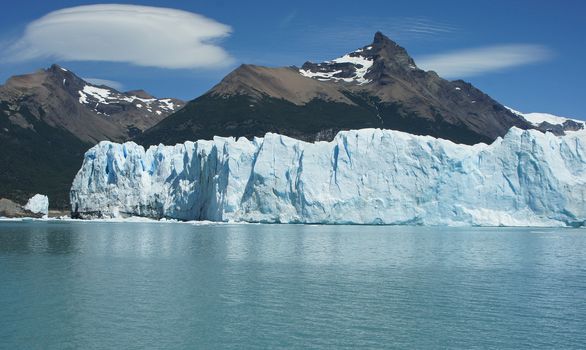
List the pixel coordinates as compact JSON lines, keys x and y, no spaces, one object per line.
{"x":378,"y":85}
{"x":558,"y":129}
{"x":385,"y":54}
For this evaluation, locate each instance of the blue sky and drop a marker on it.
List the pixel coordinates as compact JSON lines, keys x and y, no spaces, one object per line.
{"x":477,"y":41}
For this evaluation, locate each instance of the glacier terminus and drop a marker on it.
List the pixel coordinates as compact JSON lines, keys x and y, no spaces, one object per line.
{"x":368,"y":176}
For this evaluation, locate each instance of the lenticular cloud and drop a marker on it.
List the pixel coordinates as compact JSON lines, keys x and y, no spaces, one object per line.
{"x":471,"y":62}
{"x":140,"y":35}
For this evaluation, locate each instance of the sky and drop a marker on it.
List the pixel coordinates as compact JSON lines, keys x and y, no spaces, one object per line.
{"x":528,"y":55}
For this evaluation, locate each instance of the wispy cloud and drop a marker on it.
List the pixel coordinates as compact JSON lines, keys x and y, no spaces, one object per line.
{"x":111,"y":83}
{"x":286,"y":21}
{"x":421,"y":27}
{"x":140,"y":35}
{"x":346,"y":33}
{"x":353,"y":28}
{"x":477,"y":61}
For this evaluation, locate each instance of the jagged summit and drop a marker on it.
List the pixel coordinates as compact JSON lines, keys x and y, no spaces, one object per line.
{"x":56,"y":68}
{"x":364,"y":65}
{"x":384,"y":48}
{"x":389,"y":55}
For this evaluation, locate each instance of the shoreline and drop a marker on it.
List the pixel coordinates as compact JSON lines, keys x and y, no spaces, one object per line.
{"x":144,"y":220}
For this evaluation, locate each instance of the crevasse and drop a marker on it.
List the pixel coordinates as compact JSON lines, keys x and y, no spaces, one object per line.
{"x":368,"y":176}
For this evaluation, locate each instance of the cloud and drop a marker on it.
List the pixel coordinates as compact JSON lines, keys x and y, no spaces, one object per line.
{"x":470,"y":62}
{"x":286,"y":21}
{"x":140,"y":35}
{"x":345,"y":30}
{"x":346,"y":33}
{"x":111,"y":83}
{"x":421,"y":27}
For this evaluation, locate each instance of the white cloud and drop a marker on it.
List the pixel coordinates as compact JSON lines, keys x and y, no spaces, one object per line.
{"x":110,"y":83}
{"x":140,"y":35}
{"x":470,"y":62}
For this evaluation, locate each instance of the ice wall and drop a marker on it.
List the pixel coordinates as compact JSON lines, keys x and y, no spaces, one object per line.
{"x":368,"y":176}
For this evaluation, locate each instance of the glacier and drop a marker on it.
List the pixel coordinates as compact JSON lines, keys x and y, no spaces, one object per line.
{"x":368,"y":176}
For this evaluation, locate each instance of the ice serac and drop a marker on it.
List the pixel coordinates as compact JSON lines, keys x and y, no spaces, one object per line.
{"x":38,"y":204}
{"x":367,"y":176}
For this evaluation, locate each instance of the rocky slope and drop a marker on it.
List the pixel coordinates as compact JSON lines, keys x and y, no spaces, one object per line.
{"x":49,"y":118}
{"x":378,"y":85}
{"x":91,"y":113}
{"x":11,"y":209}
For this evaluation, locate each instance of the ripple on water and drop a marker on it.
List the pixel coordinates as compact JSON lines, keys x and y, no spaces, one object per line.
{"x":164,"y":285}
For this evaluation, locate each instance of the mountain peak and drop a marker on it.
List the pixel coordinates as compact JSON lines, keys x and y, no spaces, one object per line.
{"x":56,"y":69}
{"x":363,"y":65}
{"x":381,"y":39}
{"x":389,"y":50}
{"x":383,"y":42}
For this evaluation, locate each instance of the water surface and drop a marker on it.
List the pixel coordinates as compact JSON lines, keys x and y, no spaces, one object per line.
{"x":82,"y":285}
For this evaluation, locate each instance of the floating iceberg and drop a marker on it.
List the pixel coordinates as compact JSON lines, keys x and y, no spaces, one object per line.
{"x":368,"y":176}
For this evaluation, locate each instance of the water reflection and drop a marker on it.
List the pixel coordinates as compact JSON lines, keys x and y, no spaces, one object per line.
{"x":365,"y":246}
{"x":141,"y":285}
{"x":309,"y":244}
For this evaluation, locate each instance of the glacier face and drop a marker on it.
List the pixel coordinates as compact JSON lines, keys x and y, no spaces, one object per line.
{"x":368,"y":176}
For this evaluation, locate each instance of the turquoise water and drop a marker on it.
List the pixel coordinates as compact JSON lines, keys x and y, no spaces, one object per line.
{"x":68,"y":285}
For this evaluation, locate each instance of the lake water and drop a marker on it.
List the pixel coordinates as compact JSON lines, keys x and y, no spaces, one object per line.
{"x":82,"y":285}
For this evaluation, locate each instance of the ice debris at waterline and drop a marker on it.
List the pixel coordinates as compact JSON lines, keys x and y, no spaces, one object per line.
{"x":368,"y":176}
{"x":38,"y":204}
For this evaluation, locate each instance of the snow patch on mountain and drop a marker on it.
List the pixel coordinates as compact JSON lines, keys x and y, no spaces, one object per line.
{"x":329,"y":70}
{"x":537,"y":118}
{"x":362,"y":65}
{"x":368,"y":176}
{"x":100,"y":94}
{"x":168,"y":104}
{"x":91,"y":94}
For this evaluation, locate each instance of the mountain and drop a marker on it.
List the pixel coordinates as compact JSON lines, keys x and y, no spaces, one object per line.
{"x":368,"y":176}
{"x":49,"y":118}
{"x":377,"y":86}
{"x":91,"y":113}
